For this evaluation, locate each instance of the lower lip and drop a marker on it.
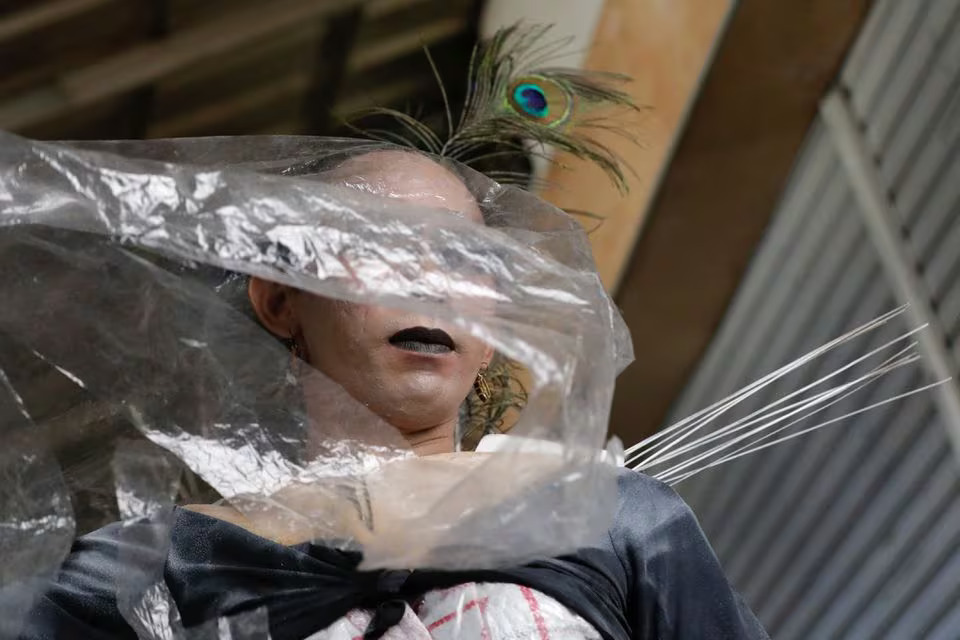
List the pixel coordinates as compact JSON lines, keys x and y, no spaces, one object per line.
{"x":425,"y":354}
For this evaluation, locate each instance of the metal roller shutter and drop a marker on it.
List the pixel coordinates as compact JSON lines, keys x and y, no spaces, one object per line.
{"x":853,"y":531}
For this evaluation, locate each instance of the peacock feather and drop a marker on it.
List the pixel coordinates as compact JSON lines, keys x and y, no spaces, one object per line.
{"x":513,"y":101}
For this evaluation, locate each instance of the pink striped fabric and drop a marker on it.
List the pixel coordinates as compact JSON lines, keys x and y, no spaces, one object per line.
{"x":486,"y":611}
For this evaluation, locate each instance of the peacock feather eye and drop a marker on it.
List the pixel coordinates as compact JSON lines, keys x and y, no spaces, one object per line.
{"x":541,"y":99}
{"x":531,"y":99}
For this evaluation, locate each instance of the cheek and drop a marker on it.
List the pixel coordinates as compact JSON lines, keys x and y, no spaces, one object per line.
{"x":346,"y":331}
{"x":383,"y":319}
{"x":330,"y":326}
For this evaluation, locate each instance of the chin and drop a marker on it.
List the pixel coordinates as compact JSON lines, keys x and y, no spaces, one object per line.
{"x":429,"y":389}
{"x":413,"y":412}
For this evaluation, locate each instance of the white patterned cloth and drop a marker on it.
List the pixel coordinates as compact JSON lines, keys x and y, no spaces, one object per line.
{"x":487,"y":611}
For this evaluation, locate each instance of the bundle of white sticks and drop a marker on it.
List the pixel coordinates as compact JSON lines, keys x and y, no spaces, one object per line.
{"x":708,"y":438}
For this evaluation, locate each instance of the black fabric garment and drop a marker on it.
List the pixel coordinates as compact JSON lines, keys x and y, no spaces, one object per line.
{"x":654,"y":577}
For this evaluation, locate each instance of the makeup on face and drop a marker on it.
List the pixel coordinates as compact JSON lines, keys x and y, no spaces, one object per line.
{"x":424,"y":340}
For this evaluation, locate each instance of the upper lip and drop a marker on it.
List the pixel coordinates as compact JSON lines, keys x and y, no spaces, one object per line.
{"x":424,"y":334}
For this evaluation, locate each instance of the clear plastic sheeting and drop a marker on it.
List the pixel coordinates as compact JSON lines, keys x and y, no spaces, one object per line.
{"x":124,"y":268}
{"x":36,"y":525}
{"x":147,"y":480}
{"x":143,"y":598}
{"x":252,"y":625}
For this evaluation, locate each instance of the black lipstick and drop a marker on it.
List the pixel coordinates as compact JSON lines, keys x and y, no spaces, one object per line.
{"x":423,"y":340}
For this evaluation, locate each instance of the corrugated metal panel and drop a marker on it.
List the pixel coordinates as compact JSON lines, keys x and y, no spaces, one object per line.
{"x":852,"y":532}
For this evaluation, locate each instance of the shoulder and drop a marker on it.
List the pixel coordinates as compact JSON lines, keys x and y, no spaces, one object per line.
{"x":82,"y":598}
{"x":654,"y":527}
{"x":646,"y":504}
{"x":92,"y":568}
{"x":103,"y":570}
{"x":679,"y":589}
{"x":639,"y":482}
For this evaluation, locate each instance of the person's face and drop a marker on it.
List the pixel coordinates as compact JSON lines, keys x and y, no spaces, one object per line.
{"x":412,"y":370}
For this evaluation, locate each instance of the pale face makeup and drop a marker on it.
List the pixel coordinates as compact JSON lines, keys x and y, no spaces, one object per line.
{"x":411,"y":370}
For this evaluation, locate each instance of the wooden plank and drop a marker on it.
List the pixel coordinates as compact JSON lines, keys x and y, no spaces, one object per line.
{"x":664,"y":47}
{"x":333,"y":51}
{"x":204,"y":121}
{"x":143,"y":100}
{"x":242,"y":70}
{"x":45,"y":15}
{"x":291,"y":45}
{"x":36,"y":59}
{"x":285,"y":126}
{"x":384,"y":96}
{"x":380,"y":8}
{"x":187,"y":14}
{"x":105,"y":120}
{"x":406,"y":42}
{"x":758,"y":100}
{"x":149,"y":62}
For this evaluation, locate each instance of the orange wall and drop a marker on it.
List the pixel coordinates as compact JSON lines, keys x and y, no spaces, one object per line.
{"x":664,"y":45}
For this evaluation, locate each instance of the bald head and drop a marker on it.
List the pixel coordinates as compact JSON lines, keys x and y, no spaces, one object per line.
{"x":410,"y":177}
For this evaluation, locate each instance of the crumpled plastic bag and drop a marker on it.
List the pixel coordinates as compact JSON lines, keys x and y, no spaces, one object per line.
{"x":122,"y":267}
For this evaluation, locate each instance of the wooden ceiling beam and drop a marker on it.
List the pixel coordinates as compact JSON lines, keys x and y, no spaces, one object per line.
{"x":406,"y":42}
{"x":380,"y":8}
{"x":149,"y":62}
{"x":204,"y":120}
{"x":384,"y":96}
{"x":729,"y":167}
{"x":664,"y":47}
{"x":241,"y":62}
{"x":144,"y":99}
{"x":333,"y":50}
{"x":25,"y":22}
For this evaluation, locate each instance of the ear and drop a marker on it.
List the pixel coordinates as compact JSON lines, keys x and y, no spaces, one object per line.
{"x":273,"y":304}
{"x":488,"y":354}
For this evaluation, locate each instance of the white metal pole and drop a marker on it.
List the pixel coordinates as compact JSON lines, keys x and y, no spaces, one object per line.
{"x":895,"y":253}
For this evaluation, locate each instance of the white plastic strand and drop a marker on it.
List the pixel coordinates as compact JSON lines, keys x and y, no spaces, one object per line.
{"x":702,"y":441}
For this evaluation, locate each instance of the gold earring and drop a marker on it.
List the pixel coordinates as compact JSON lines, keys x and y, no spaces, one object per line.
{"x":480,"y":385}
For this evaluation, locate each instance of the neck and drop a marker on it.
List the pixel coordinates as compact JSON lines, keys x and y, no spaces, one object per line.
{"x":434,"y":440}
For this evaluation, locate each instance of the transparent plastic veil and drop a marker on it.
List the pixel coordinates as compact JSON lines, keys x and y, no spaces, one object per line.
{"x":122,"y":282}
